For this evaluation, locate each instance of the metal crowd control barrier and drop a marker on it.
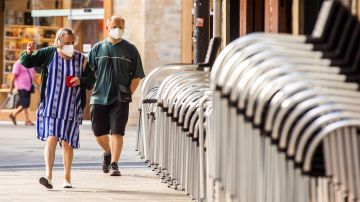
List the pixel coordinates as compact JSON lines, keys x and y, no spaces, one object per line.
{"x":287,"y":119}
{"x":275,"y":120}
{"x":172,"y":129}
{"x":175,"y":104}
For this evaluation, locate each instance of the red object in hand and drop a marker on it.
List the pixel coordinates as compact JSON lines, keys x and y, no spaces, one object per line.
{"x":67,"y":80}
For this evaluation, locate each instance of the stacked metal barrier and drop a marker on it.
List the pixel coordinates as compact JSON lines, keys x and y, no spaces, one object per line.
{"x":174,"y":107}
{"x":170,"y":124}
{"x":288,"y":121}
{"x":276,"y":120}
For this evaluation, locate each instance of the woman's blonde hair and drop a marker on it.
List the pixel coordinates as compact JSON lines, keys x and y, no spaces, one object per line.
{"x":61,"y":32}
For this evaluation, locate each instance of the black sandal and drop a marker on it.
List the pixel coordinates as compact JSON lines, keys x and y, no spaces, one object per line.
{"x":13,"y":119}
{"x":47,"y":183}
{"x":29,"y":123}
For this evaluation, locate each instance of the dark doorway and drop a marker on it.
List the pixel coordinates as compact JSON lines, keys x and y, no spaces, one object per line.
{"x":234,"y":19}
{"x":285,"y":16}
{"x":311,"y":11}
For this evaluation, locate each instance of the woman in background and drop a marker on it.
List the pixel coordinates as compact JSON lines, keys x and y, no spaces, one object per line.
{"x":22,"y":79}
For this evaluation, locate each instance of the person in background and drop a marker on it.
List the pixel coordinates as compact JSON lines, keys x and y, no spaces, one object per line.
{"x":65,"y":77}
{"x":22,"y":79}
{"x":118,"y":69}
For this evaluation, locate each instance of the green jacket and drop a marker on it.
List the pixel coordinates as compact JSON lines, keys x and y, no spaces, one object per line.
{"x":42,"y":58}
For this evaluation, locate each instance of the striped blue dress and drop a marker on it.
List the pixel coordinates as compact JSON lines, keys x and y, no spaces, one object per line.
{"x":59,"y":113}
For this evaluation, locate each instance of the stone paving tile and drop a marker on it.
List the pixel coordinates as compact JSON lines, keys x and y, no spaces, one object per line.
{"x":21,"y":165}
{"x":139,"y":184}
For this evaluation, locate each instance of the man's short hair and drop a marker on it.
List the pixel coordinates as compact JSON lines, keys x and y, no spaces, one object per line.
{"x":109,"y":19}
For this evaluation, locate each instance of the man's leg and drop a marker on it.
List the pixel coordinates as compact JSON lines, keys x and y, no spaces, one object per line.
{"x":68,"y":153}
{"x":104,"y":142}
{"x":101,"y":128}
{"x":119,"y":117}
{"x":116,"y":147}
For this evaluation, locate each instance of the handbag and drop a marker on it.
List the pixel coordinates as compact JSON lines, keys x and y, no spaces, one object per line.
{"x":124,"y":92}
{"x":32,"y":89}
{"x":10,"y":102}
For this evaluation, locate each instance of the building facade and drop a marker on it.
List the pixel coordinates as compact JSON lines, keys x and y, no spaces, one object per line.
{"x":162,"y":30}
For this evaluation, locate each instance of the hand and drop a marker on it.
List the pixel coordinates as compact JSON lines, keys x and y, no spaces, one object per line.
{"x":30,"y":48}
{"x":75,"y":81}
{"x":10,"y":93}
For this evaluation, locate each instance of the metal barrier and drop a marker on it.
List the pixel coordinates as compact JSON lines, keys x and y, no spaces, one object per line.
{"x":275,"y":120}
{"x":172,"y":135}
{"x":275,"y":101}
{"x":175,"y":104}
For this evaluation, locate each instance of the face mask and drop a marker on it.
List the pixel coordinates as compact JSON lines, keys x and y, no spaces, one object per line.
{"x":68,"y":50}
{"x":116,"y":33}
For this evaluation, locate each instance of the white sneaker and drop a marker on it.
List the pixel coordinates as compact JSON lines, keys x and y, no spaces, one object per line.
{"x":66,"y":184}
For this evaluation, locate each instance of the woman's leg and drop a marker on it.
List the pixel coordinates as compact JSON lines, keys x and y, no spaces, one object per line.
{"x":68,"y":153}
{"x":26,"y":113}
{"x":17,"y":111}
{"x":26,"y":106}
{"x":27,"y":118}
{"x":24,"y":99}
{"x":49,"y":155}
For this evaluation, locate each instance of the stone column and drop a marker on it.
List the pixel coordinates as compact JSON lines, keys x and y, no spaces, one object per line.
{"x":154,"y":27}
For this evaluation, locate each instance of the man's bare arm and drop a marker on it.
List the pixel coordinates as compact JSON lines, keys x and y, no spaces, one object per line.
{"x":134,"y":84}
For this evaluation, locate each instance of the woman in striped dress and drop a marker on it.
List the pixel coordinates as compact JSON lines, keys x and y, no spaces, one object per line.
{"x":65,"y":76}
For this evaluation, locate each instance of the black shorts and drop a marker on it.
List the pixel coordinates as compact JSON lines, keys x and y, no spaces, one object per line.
{"x":109,"y":119}
{"x":24,"y":98}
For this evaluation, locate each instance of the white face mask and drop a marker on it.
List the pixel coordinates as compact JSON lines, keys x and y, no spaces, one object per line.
{"x":68,"y":50}
{"x":116,"y":33}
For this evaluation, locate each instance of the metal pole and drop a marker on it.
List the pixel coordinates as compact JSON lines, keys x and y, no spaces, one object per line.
{"x":217,"y":18}
{"x":201,"y":29}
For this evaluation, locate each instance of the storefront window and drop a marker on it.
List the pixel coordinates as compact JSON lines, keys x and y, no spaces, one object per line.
{"x":39,"y":20}
{"x":87,"y":4}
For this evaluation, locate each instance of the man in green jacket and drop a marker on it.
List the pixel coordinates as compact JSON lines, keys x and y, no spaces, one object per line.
{"x":118,"y":69}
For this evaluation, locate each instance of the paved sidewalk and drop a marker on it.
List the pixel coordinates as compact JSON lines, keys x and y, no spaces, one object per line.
{"x":138,"y":184}
{"x":21,"y":165}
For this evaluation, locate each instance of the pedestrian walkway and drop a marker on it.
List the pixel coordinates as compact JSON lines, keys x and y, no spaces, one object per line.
{"x":21,"y":165}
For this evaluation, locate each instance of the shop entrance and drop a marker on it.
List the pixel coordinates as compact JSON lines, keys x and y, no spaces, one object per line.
{"x":38,"y":20}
